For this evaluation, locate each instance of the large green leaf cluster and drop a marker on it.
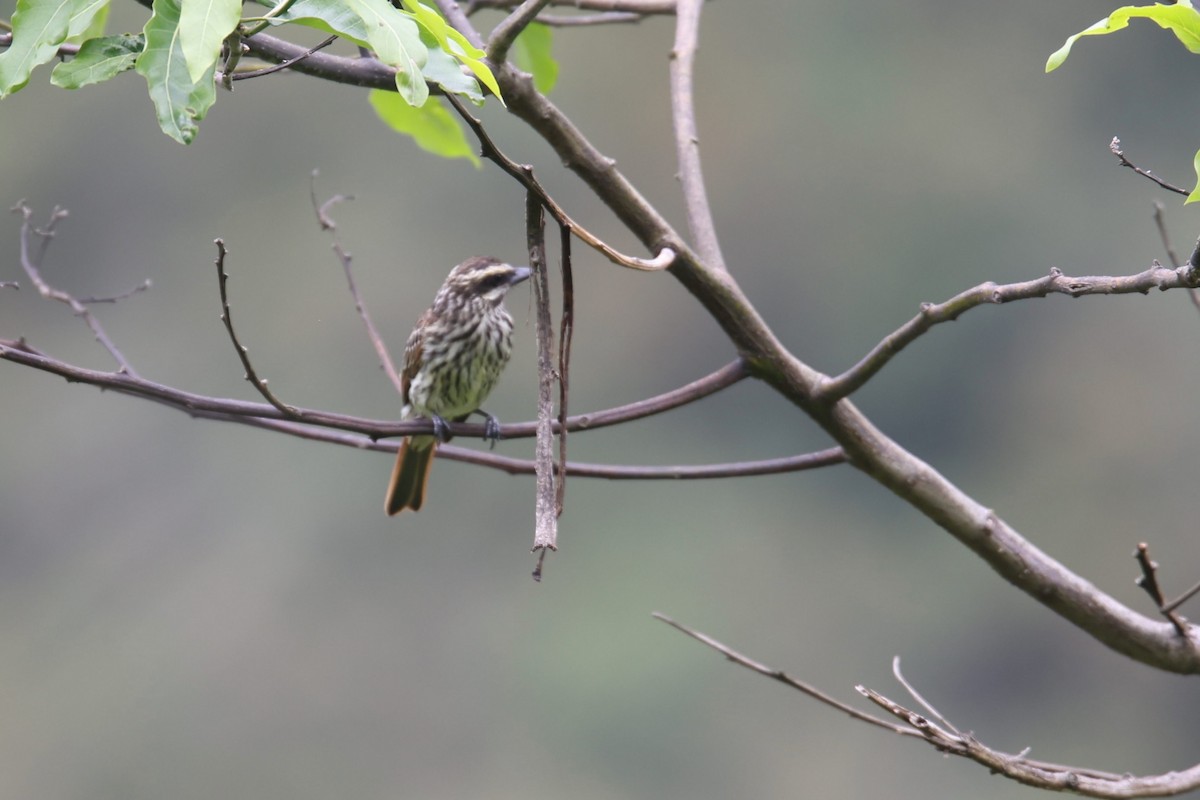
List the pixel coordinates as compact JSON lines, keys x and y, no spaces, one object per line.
{"x":185,"y":42}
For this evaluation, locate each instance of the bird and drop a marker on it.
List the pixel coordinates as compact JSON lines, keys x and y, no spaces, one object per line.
{"x":452,"y":360}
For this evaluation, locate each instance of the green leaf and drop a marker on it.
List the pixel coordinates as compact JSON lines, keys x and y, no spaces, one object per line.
{"x":98,"y":60}
{"x":179,"y":102}
{"x":203,"y":26}
{"x":443,"y":69}
{"x":375,"y":24}
{"x":431,"y":126}
{"x":88,"y":22}
{"x":1195,"y":195}
{"x":454,"y":43}
{"x":39,"y":27}
{"x":330,"y":16}
{"x":532,"y":51}
{"x":394,"y":37}
{"x":1181,"y":19}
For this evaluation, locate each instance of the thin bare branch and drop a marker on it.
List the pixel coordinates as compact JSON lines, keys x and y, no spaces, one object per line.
{"x":509,"y":28}
{"x":687,"y":136}
{"x":1115,"y":147}
{"x":629,"y":472}
{"x":1040,"y":774}
{"x":783,"y":677}
{"x":243,"y":354}
{"x":288,"y":64}
{"x":364,"y":434}
{"x":1160,"y":222}
{"x":1149,"y":582}
{"x":948,"y":739}
{"x":1183,"y":598}
{"x":116,"y":298}
{"x":327,"y":224}
{"x":524,"y":174}
{"x":917,"y":696}
{"x":606,"y":18}
{"x":566,"y":331}
{"x":1156,"y":277}
{"x":31,"y":262}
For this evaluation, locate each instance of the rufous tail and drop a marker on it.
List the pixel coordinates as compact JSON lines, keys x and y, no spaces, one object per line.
{"x":411,"y":473}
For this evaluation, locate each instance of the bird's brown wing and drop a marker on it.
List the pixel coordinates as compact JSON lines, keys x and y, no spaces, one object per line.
{"x":412,"y":353}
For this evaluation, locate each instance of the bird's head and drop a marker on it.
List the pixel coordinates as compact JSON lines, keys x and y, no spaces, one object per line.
{"x":484,"y":278}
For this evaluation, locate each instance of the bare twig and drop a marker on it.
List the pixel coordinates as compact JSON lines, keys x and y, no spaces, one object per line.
{"x":566,"y":330}
{"x":67,"y":49}
{"x":327,"y":224}
{"x":1115,"y":147}
{"x":782,"y":677}
{"x":523,"y":173}
{"x":606,"y":18}
{"x":31,"y":262}
{"x":364,"y":434}
{"x":1160,"y":222}
{"x":243,"y":354}
{"x":509,"y":28}
{"x":947,"y":739}
{"x":116,"y":298}
{"x":917,"y":696}
{"x":687,"y":137}
{"x":1183,"y":598}
{"x":1156,"y":277}
{"x":628,"y":472}
{"x":546,"y":517}
{"x":1149,"y":582}
{"x":9,"y":285}
{"x":288,"y":64}
{"x":1040,"y":774}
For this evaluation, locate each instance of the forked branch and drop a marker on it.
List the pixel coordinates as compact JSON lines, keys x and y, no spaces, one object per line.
{"x":935,"y":729}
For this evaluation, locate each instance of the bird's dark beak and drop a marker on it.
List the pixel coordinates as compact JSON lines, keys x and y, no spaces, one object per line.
{"x":519,"y":274}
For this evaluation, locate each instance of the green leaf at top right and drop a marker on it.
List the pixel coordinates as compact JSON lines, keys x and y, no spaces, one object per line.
{"x":1180,"y":18}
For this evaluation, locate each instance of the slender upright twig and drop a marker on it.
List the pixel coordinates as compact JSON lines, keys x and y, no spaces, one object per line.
{"x":242,"y":352}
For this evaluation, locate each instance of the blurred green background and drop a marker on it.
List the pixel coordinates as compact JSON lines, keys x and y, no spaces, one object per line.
{"x":196,"y":610}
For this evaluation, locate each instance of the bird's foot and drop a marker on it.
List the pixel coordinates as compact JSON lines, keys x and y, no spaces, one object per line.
{"x":491,"y":427}
{"x":440,"y":429}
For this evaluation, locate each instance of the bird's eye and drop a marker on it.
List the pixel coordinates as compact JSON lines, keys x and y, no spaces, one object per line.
{"x":492,"y":281}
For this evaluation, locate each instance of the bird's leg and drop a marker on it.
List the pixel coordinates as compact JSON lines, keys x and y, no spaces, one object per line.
{"x":491,"y":426}
{"x":440,"y":429}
